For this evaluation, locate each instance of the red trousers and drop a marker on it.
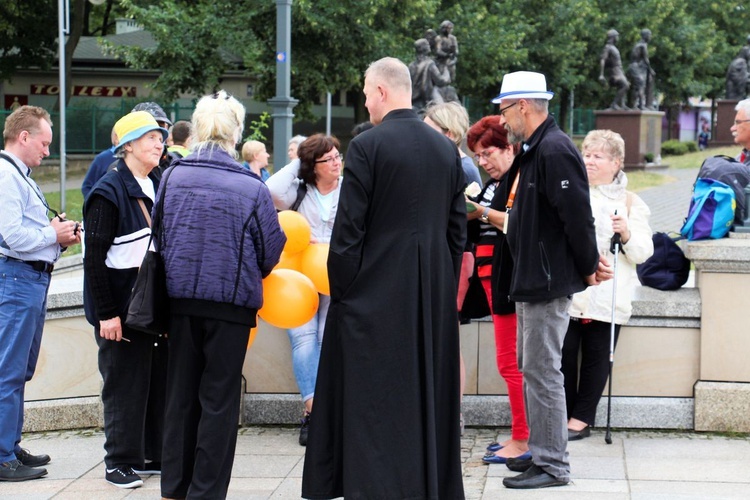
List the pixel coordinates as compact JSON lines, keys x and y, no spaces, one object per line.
{"x":507,"y":365}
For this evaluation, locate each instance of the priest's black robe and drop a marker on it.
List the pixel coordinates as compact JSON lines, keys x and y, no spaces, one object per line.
{"x":385,"y":422}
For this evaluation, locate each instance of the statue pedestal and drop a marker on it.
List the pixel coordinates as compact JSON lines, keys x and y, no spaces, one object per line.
{"x":724,"y":120}
{"x":641,"y":131}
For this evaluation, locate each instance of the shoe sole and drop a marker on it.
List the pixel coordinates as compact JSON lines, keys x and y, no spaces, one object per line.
{"x":134,"y":484}
{"x":534,"y":487}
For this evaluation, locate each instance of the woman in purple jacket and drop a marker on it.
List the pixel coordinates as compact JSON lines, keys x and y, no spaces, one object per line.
{"x":219,"y":238}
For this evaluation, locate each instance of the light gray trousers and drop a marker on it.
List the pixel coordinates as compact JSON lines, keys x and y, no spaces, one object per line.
{"x":541,"y":332}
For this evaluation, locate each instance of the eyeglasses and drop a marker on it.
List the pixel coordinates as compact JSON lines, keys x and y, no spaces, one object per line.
{"x":337,"y":156}
{"x":737,"y":122}
{"x":486,"y":153}
{"x":506,"y":108}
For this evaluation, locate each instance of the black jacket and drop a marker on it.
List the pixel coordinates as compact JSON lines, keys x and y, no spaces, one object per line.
{"x":551,"y":229}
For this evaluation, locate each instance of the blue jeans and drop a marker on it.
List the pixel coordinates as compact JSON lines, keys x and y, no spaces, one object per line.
{"x":541,"y":331}
{"x":306,"y":341}
{"x":23,"y":305}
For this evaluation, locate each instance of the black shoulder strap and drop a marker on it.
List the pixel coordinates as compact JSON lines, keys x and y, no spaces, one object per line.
{"x":25,"y":178}
{"x":301,"y":192}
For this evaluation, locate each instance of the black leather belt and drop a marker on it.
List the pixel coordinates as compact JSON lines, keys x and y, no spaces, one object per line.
{"x":37,"y":265}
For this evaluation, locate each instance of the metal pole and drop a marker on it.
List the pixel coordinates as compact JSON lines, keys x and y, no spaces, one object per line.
{"x":62,"y":29}
{"x":282,"y":104}
{"x":328,"y":113}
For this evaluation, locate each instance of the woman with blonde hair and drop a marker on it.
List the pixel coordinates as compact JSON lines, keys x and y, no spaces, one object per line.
{"x":256,"y":158}
{"x":615,"y":210}
{"x":219,"y":237}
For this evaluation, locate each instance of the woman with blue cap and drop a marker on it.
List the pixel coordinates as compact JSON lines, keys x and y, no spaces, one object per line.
{"x":132,"y":363}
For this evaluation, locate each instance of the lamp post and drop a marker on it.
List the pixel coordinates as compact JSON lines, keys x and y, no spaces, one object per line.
{"x":282,"y":103}
{"x":63,"y":28}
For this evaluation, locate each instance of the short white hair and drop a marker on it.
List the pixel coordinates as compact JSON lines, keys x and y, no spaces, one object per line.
{"x":391,"y":72}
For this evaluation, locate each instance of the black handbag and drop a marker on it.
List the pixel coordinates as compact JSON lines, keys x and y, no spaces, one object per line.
{"x":148,"y":310}
{"x":149,"y":303}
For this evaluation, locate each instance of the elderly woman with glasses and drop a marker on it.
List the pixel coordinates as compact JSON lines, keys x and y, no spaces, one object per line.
{"x":488,"y":139}
{"x":132,"y":363}
{"x":310,"y":185}
{"x":219,"y":237}
{"x":615,"y":210}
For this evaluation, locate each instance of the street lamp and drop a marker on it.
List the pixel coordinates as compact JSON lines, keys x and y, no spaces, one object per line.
{"x":63,"y":28}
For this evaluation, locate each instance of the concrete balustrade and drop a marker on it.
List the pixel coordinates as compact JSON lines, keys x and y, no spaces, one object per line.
{"x":681,"y":362}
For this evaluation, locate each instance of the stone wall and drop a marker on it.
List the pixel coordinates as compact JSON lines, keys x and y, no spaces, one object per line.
{"x":657,"y":364}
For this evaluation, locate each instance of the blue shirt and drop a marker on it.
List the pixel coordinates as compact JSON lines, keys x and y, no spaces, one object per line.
{"x":25,"y":231}
{"x":98,"y":168}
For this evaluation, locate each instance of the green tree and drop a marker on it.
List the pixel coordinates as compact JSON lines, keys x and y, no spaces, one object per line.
{"x":28,"y":36}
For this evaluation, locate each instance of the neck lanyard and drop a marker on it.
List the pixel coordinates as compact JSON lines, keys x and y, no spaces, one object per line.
{"x":511,"y":199}
{"x":512,"y":195}
{"x":38,"y":195}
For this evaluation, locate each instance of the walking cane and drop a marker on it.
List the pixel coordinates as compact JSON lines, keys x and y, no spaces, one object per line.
{"x":615,"y":248}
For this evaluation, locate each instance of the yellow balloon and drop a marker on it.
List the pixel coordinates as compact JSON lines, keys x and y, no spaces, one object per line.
{"x":290,"y":261}
{"x":297,"y":231}
{"x":253,"y":333}
{"x":289,"y":299}
{"x":314,"y":265}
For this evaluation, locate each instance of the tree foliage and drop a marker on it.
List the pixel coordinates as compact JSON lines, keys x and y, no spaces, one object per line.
{"x":333,"y":41}
{"x":27,"y":39}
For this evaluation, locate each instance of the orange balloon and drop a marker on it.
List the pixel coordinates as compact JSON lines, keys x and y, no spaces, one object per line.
{"x":314,"y":265}
{"x":297,"y":231}
{"x":253,"y":333}
{"x":290,"y":261}
{"x":289,"y":299}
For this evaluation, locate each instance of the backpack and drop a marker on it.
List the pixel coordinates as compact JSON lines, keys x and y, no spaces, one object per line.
{"x":732,"y":173}
{"x":667,"y":268}
{"x":711,"y":211}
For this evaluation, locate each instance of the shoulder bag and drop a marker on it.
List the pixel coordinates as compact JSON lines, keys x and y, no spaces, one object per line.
{"x":149,"y":303}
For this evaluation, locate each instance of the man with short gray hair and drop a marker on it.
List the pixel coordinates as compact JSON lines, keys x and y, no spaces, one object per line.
{"x":741,"y":130}
{"x":551,"y":235}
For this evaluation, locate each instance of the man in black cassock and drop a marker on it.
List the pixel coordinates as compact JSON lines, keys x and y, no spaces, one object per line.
{"x":386,"y":419}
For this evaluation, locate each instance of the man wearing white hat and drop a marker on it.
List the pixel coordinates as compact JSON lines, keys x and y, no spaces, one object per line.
{"x":550,"y":230}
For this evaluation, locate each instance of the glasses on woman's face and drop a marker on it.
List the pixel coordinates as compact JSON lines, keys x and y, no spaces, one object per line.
{"x":485,"y":154}
{"x":331,"y":159}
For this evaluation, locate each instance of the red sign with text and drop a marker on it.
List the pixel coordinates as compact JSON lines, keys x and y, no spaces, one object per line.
{"x":85,"y":90}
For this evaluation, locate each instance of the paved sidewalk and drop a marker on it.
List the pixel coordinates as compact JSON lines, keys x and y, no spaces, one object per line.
{"x":268,"y":464}
{"x":669,"y":202}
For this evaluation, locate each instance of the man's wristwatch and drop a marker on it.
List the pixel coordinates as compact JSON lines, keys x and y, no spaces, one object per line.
{"x":485,"y":217}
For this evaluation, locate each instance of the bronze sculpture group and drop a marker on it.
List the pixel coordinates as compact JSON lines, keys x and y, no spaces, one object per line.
{"x":640,"y":72}
{"x":434,"y":67}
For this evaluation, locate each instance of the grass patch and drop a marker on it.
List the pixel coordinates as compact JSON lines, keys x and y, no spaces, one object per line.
{"x":694,"y":160}
{"x":73,"y":210}
{"x":639,"y":180}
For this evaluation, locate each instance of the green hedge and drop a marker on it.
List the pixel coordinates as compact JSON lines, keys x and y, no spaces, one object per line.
{"x":673,"y":147}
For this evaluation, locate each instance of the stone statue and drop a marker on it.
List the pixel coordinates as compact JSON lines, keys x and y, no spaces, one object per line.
{"x":426,"y":77}
{"x":738,"y":76}
{"x":611,"y":63}
{"x":641,"y":73}
{"x":446,"y":49}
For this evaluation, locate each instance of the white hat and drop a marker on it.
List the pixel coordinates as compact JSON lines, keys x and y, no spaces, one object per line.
{"x":523,"y":85}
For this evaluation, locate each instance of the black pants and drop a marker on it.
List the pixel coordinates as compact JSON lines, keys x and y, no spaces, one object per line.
{"x":133,"y":396}
{"x":582,"y":393}
{"x":203,"y":406}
